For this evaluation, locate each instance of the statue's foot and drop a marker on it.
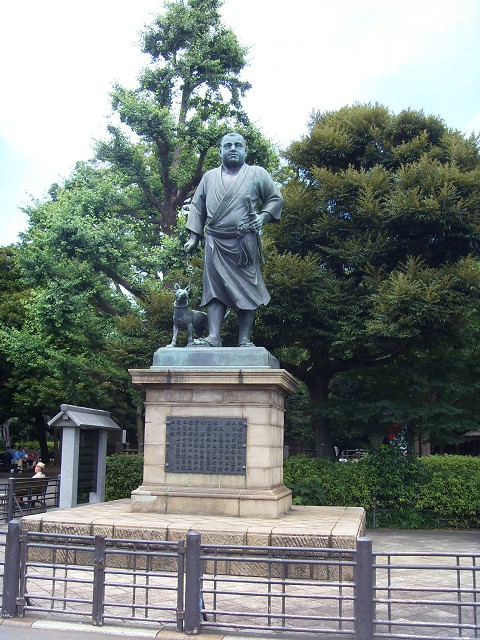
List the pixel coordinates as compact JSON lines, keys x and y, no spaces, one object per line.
{"x":206,"y":342}
{"x":245,"y":343}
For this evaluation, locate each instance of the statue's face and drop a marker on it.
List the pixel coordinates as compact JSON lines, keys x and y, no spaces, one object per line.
{"x":233,"y":151}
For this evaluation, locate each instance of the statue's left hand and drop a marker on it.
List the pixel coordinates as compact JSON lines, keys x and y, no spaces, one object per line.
{"x":259,"y":220}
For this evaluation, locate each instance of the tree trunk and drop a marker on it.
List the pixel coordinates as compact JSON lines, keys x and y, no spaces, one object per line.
{"x":169,"y":219}
{"x":319,"y":394}
{"x":41,"y":434}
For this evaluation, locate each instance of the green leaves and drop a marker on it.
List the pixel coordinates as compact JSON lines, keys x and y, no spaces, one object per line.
{"x":406,"y":491}
{"x":383,"y":210}
{"x":124,"y":474}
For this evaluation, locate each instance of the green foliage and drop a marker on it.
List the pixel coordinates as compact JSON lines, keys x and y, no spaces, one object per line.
{"x":307,"y":492}
{"x":452,"y":491}
{"x":403,"y":490}
{"x":397,"y":475}
{"x":327,"y":482}
{"x":88,"y":292}
{"x":124,"y":474}
{"x":375,"y":254}
{"x":348,"y":484}
{"x":188,"y":97}
{"x":297,"y":417}
{"x":299,"y":468}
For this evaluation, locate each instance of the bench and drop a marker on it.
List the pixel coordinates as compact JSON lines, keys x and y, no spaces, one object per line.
{"x":27,"y":493}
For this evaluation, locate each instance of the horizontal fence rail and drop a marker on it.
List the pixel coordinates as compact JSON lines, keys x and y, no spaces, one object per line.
{"x":278,"y":589}
{"x":321,"y":592}
{"x":427,"y":595}
{"x":25,"y":496}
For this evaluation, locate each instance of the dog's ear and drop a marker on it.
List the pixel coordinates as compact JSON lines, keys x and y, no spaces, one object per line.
{"x":176,"y":286}
{"x":187,"y":288}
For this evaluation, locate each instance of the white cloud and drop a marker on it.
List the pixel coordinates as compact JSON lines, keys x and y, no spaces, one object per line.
{"x":321,"y":54}
{"x":59,"y":60}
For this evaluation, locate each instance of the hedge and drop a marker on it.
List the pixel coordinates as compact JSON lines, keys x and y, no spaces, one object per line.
{"x":124,"y":473}
{"x":452,"y":490}
{"x":399,"y":490}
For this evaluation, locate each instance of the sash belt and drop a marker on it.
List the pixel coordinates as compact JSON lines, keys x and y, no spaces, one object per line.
{"x":227,"y":232}
{"x":245,"y":256}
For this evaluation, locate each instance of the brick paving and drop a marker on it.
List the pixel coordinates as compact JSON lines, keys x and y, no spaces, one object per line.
{"x":255,"y":597}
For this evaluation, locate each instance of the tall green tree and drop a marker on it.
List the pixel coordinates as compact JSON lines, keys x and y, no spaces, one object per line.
{"x":187,"y":99}
{"x":432,"y":394}
{"x":99,"y":247}
{"x":376,"y":252}
{"x":104,"y":229}
{"x":13,"y":299}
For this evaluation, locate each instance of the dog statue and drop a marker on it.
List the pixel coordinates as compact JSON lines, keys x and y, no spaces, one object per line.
{"x":186,"y":318}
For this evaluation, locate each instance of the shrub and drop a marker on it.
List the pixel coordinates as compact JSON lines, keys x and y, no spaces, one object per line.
{"x":405,"y":491}
{"x":452,"y":491}
{"x":348,"y":484}
{"x":320,"y":481}
{"x":124,"y":474}
{"x":398,"y":476}
{"x":298,"y":468}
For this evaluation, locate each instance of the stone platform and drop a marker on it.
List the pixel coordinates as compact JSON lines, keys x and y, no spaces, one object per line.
{"x":235,"y":358}
{"x":331,"y":527}
{"x":302,"y":527}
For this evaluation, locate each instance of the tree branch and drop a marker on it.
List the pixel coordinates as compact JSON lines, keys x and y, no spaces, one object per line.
{"x":138,"y":293}
{"x":165,"y":172}
{"x":375,"y":360}
{"x":185,"y":191}
{"x":105,"y":306}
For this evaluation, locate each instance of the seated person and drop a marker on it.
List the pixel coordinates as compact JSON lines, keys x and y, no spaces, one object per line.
{"x":39,"y":467}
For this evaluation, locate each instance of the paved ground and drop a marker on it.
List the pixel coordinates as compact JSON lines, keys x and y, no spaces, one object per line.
{"x":392,"y":540}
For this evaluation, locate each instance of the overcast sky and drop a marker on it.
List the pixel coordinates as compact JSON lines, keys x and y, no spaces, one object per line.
{"x":60,"y":58}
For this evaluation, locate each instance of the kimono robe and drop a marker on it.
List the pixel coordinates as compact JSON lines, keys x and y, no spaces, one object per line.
{"x":232,"y":271}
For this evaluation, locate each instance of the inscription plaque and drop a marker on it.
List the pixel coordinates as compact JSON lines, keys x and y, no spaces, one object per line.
{"x":206,"y":445}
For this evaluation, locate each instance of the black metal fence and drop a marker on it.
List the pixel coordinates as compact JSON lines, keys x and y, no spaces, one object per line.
{"x":3,"y":544}
{"x":427,"y":595}
{"x":24,"y":496}
{"x":195,"y":587}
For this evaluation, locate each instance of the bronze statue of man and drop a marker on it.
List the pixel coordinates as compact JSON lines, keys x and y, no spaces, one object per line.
{"x":223,"y":211}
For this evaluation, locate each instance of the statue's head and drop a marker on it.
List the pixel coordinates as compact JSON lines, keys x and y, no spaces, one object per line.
{"x":233,"y":150}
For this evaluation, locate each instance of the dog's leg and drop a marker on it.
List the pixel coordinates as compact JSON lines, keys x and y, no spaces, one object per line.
{"x":174,"y":337}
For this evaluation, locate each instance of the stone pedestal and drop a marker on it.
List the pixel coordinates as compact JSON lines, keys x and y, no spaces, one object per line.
{"x":238,"y":385}
{"x":194,"y":385}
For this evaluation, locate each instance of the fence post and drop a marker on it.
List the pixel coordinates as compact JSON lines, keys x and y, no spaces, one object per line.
{"x":10,"y":499}
{"x":193,"y":607}
{"x":180,"y":585}
{"x":98,"y":595}
{"x":11,"y":576}
{"x":364,"y":606}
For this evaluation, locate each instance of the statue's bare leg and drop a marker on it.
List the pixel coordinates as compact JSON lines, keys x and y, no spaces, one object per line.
{"x":216,"y":312}
{"x":245,"y":326}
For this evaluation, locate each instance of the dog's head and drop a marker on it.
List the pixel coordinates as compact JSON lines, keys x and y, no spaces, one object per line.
{"x":181,"y":295}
